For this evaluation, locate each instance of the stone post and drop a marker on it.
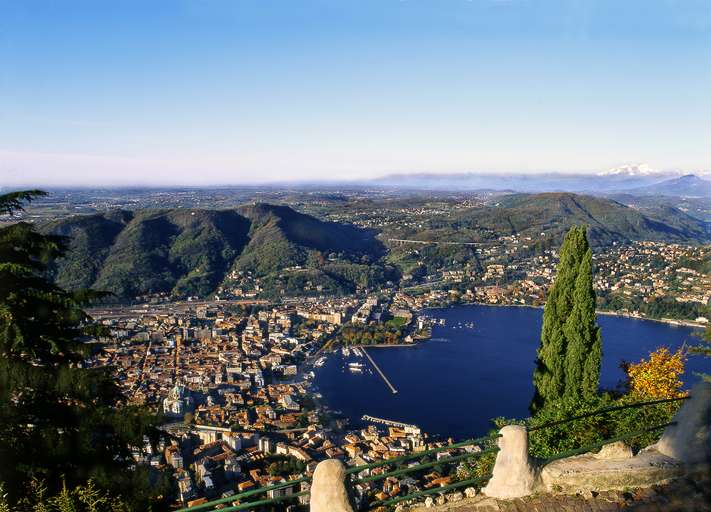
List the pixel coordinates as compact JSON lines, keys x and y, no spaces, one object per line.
{"x":689,"y":440}
{"x":328,"y":488}
{"x":515,"y":475}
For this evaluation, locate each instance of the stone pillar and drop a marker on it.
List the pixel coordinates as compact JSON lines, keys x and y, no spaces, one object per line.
{"x":515,"y":474}
{"x":328,"y":488}
{"x":689,"y":440}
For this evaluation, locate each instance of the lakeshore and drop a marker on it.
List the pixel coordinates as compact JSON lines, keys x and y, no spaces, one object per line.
{"x":668,"y":321}
{"x":446,"y":385}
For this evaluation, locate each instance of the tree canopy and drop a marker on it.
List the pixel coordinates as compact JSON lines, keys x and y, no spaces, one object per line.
{"x":59,"y":420}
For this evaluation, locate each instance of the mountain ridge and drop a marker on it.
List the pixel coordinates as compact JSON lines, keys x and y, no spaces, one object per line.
{"x":688,"y":185}
{"x":198,"y":252}
{"x":191,"y":251}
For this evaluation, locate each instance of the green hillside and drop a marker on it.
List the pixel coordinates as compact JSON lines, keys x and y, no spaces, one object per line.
{"x":279,"y":251}
{"x":543,"y":219}
{"x":190,"y":252}
{"x":90,"y":239}
{"x":281,"y":237}
{"x":608,"y":220}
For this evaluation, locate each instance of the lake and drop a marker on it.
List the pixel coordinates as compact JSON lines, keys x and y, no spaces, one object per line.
{"x":453,"y":384}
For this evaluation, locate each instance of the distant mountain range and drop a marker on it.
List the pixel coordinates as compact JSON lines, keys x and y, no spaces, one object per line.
{"x":194,"y":251}
{"x":684,"y":186}
{"x":628,"y":179}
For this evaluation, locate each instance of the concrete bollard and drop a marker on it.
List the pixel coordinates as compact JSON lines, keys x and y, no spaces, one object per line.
{"x":689,"y":440}
{"x":328,"y":488}
{"x":515,"y":475}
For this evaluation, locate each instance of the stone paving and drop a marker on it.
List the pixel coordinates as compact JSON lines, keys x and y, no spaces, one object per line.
{"x":682,"y":495}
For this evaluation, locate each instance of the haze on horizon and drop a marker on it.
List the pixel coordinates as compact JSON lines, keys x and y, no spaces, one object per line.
{"x":199,"y":92}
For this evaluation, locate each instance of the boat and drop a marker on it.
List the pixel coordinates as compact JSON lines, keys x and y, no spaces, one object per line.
{"x":345,"y":351}
{"x":319,"y":362}
{"x":356,"y":367}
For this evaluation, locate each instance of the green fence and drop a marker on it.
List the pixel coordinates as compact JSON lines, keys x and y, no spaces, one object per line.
{"x":237,"y":501}
{"x":484,"y":445}
{"x":365,"y":474}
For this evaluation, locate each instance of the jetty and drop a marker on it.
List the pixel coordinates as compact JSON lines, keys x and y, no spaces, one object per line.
{"x":389,"y":423}
{"x":377,"y":369}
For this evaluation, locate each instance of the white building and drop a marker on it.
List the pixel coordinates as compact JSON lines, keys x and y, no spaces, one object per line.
{"x":178,"y":402}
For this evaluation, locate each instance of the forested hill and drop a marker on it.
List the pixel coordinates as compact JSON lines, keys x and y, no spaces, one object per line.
{"x":192,"y":251}
{"x":608,"y":221}
{"x":284,"y":252}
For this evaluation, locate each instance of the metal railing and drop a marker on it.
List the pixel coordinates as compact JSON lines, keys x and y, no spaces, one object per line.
{"x":486,"y":445}
{"x":599,"y":412}
{"x":218,"y":504}
{"x":605,"y":410}
{"x":488,"y":448}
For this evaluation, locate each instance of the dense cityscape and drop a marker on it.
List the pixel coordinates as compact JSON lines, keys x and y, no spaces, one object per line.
{"x":233,"y":375}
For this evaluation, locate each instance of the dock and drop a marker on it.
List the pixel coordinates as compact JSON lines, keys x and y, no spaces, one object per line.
{"x":377,"y":369}
{"x":389,"y":423}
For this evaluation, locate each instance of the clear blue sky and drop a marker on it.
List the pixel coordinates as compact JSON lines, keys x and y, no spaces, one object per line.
{"x":230,"y":91}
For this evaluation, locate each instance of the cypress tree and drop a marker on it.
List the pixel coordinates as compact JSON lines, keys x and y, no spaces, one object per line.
{"x":584,"y":352}
{"x":552,"y":376}
{"x":704,"y":348}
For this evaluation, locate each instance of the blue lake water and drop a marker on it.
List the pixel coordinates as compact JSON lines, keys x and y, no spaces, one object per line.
{"x":453,"y":384}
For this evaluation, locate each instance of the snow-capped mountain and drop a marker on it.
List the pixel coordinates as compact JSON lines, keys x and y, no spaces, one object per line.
{"x":632,"y":170}
{"x":646,"y":171}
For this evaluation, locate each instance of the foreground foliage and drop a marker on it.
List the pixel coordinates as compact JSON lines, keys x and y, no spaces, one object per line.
{"x":82,"y":498}
{"x":59,"y":421}
{"x":659,"y":376}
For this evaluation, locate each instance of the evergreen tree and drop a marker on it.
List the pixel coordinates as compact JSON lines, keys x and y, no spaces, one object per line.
{"x":584,"y":345}
{"x":568,"y":297}
{"x":59,"y":421}
{"x":704,"y":348}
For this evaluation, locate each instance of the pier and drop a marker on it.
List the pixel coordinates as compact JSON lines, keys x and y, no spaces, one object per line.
{"x":377,"y":369}
{"x":389,"y":423}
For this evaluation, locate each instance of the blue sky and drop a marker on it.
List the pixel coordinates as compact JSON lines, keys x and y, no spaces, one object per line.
{"x":231,"y":91}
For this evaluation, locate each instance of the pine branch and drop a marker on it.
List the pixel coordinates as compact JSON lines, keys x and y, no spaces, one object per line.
{"x":12,"y":203}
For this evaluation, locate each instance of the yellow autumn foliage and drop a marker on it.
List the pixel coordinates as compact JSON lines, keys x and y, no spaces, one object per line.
{"x":659,"y":376}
